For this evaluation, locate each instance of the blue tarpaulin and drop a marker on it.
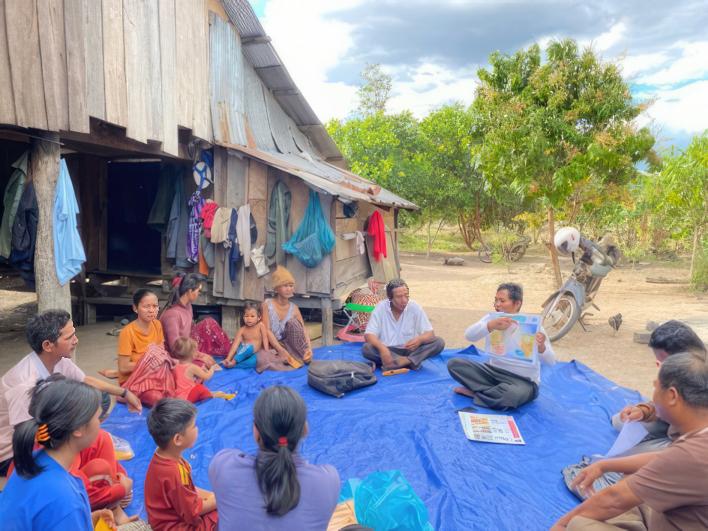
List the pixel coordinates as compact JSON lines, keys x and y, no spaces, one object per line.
{"x":409,"y":422}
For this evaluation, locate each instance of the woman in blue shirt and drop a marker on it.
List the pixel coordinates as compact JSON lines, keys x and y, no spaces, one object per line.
{"x":41,"y":494}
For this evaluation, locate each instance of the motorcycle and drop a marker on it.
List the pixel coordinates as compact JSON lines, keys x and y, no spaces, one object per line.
{"x":570,"y":303}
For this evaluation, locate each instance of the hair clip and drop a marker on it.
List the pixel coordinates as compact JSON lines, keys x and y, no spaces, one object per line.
{"x":42,"y":435}
{"x":282,"y":441}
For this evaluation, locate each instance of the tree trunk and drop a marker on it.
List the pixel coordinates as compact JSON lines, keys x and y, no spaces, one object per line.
{"x":430,"y":243}
{"x":552,"y":249}
{"x":694,"y":254}
{"x":44,"y":171}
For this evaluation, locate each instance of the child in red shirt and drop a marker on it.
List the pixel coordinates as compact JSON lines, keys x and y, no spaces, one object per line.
{"x":171,"y":499}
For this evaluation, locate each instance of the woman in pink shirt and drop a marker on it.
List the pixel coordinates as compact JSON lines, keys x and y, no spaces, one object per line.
{"x":178,"y":321}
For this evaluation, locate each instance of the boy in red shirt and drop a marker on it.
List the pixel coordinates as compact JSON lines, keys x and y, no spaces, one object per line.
{"x":171,"y":499}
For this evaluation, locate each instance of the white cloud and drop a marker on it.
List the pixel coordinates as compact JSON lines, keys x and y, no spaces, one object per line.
{"x":608,"y":39}
{"x":681,"y":110}
{"x":691,"y":64}
{"x":432,"y":86}
{"x":309,"y":44}
{"x":634,"y":65}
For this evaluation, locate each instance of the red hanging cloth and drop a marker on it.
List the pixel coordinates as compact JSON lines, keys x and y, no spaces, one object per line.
{"x":377,"y":231}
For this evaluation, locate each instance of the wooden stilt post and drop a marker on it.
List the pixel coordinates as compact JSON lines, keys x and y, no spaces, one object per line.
{"x":327,"y":322}
{"x":44,"y":171}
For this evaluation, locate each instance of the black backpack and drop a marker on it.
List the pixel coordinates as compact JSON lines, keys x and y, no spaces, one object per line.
{"x":336,"y":377}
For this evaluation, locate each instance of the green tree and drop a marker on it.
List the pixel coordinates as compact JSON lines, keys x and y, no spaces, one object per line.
{"x":549,"y":125}
{"x":684,"y":185}
{"x":375,"y":91}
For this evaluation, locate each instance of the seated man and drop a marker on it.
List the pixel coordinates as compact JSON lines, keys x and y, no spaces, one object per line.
{"x":399,"y":333}
{"x":670,"y":338}
{"x":501,"y":383}
{"x":52,"y":336}
{"x":667,"y":489}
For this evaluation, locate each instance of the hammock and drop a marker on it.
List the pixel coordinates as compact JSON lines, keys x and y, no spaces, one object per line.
{"x":314,"y":238}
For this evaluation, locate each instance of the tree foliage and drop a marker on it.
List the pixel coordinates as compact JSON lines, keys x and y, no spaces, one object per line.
{"x":375,"y":91}
{"x":549,"y":126}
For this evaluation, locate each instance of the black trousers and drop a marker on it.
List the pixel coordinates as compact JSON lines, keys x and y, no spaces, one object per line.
{"x":417,"y":356}
{"x":494,"y":388}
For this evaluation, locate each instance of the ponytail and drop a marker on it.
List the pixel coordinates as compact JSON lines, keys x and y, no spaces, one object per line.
{"x":181,"y":284}
{"x":279,"y":415}
{"x":58,"y":407}
{"x":23,"y":446}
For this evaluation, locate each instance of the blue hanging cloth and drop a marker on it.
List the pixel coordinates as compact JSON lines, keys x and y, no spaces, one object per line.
{"x":314,"y":238}
{"x":68,"y":250}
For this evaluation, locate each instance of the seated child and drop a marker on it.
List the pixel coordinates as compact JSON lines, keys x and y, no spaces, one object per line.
{"x":171,"y":499}
{"x":501,"y":383}
{"x":186,"y":373}
{"x":251,"y":347}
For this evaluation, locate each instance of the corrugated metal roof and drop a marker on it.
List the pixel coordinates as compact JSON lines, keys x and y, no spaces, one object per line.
{"x":256,"y":112}
{"x":326,"y":177}
{"x":226,"y":83}
{"x":243,"y":17}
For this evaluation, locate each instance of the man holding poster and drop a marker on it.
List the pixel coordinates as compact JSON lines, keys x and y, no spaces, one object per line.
{"x":513,"y":373}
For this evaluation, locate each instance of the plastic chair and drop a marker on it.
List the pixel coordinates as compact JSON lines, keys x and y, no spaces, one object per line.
{"x":347,"y":334}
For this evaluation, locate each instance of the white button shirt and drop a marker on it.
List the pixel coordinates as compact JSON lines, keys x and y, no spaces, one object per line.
{"x":395,"y":333}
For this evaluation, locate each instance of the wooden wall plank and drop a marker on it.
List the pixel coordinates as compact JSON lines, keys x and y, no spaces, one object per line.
{"x":53,"y":49}
{"x":96,"y":97}
{"x":168,"y":67}
{"x":200,"y":75}
{"x":114,"y":62}
{"x":220,"y":172}
{"x":185,"y":50}
{"x":318,"y":278}
{"x":154,"y":77}
{"x":135,"y":33}
{"x":7,"y":98}
{"x":25,"y":63}
{"x":297,"y":211}
{"x":257,"y":180}
{"x":75,"y":34}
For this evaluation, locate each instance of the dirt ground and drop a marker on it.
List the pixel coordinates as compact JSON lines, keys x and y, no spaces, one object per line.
{"x":454,"y":298}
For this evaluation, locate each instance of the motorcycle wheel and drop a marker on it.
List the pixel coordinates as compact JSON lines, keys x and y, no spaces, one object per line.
{"x":560,"y":316}
{"x":517,"y":252}
{"x":485,"y":254}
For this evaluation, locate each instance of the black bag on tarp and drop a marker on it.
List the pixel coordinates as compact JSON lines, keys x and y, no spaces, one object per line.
{"x":336,"y":377}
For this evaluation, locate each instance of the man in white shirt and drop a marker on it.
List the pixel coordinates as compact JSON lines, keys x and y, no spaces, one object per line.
{"x":501,"y":383}
{"x":399,"y":333}
{"x":52,"y":337}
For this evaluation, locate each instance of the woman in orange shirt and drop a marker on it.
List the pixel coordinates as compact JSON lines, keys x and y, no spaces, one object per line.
{"x":149,"y":379}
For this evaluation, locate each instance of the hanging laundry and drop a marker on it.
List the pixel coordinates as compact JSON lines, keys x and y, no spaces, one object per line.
{"x":220,"y":225}
{"x":68,"y":250}
{"x":246,"y":233}
{"x":278,"y":223}
{"x":377,"y":231}
{"x":314,"y":238}
{"x":24,"y":235}
{"x":234,"y":253}
{"x":360,"y":242}
{"x":208,"y":211}
{"x":207,"y":249}
{"x":196,"y":202}
{"x":159,"y":216}
{"x":178,"y":225}
{"x":13,"y":194}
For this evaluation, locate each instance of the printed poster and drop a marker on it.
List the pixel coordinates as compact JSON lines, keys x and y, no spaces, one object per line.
{"x":517,"y":342}
{"x":500,"y":429}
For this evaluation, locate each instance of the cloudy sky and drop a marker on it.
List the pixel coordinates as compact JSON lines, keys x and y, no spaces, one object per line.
{"x":432,"y":49}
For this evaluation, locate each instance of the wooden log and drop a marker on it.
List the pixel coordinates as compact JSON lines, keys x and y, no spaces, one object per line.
{"x":44,"y":171}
